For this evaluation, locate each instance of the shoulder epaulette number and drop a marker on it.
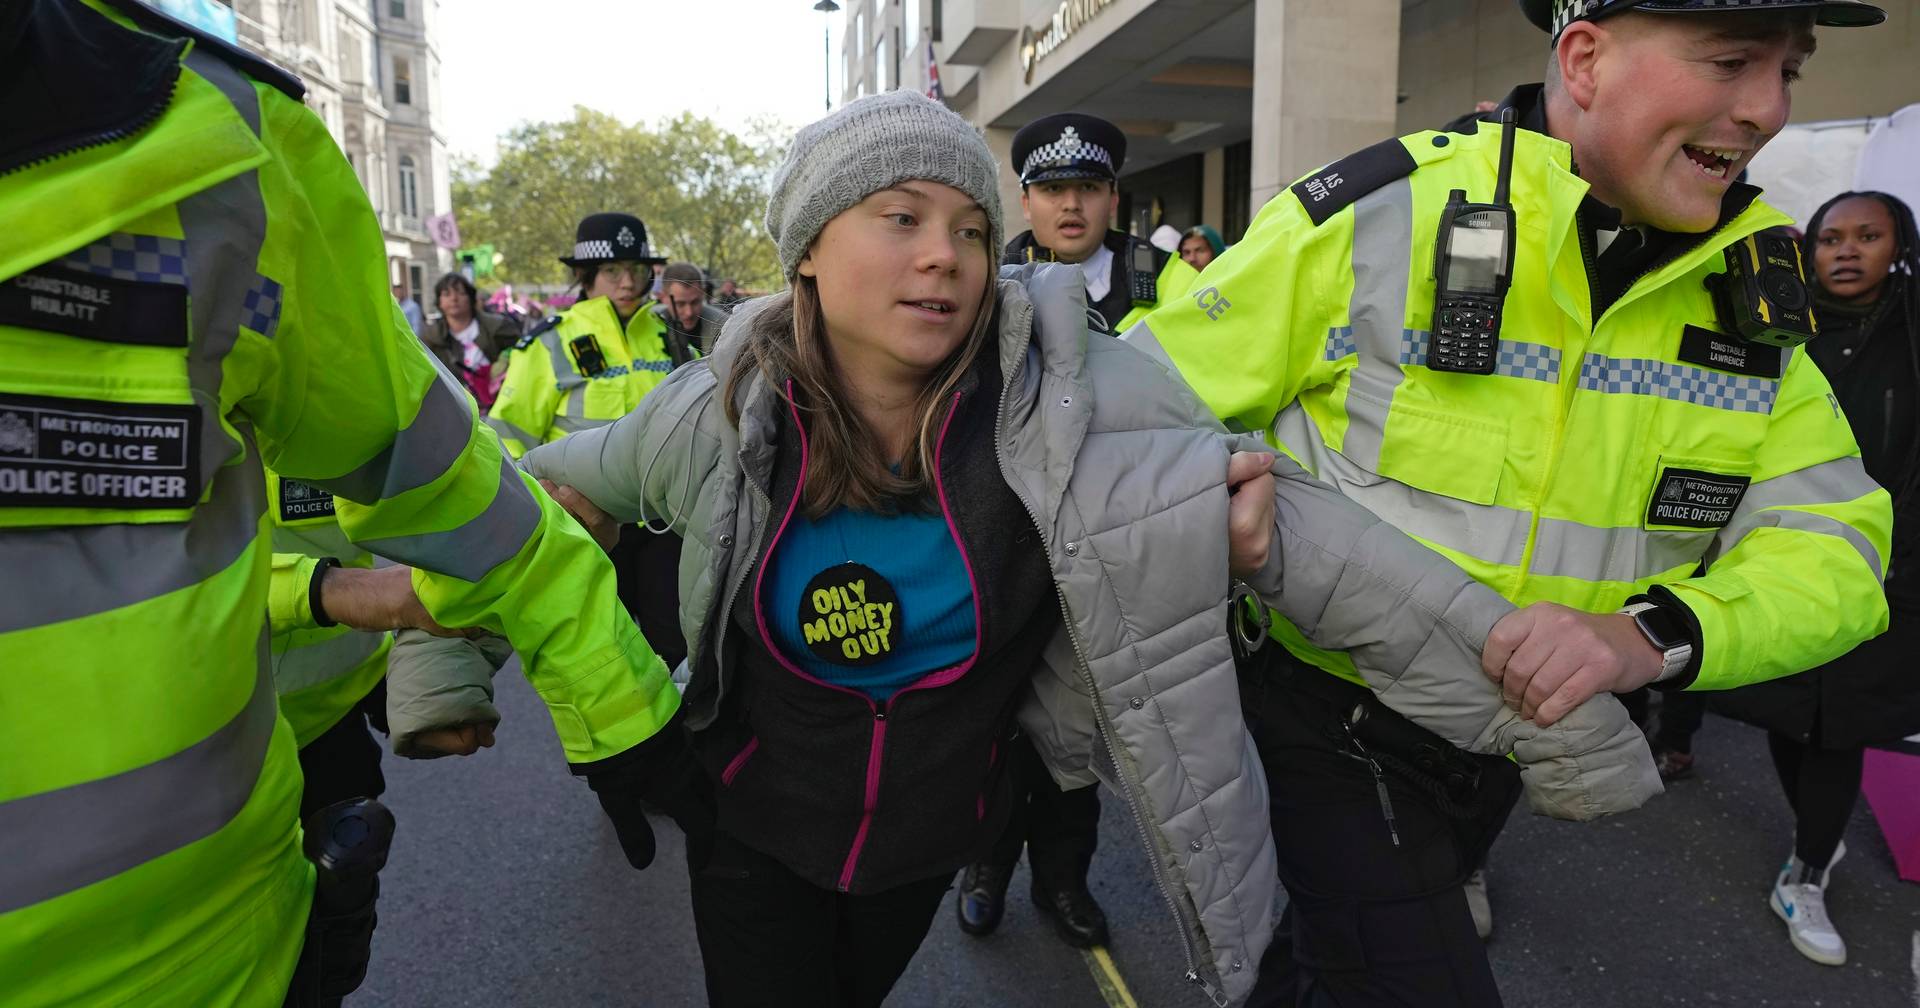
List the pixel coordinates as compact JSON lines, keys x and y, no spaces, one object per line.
{"x":1342,"y":183}
{"x":265,"y":71}
{"x":535,"y":333}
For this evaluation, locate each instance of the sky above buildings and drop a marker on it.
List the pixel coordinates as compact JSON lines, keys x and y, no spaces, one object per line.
{"x":503,"y":62}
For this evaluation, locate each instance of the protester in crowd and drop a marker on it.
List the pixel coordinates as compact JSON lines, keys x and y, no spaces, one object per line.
{"x":467,"y":340}
{"x":729,"y":294}
{"x":913,"y":503}
{"x":409,"y":307}
{"x":1866,"y":260}
{"x":1199,"y":245}
{"x":690,"y":318}
{"x":1561,"y":464}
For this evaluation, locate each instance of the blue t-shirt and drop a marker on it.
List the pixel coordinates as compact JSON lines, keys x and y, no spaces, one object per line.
{"x":867,"y":601}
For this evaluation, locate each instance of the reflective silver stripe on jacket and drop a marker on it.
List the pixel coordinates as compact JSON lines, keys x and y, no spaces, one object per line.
{"x":422,"y":452}
{"x":1772,"y":503}
{"x":1491,"y":533}
{"x":1377,"y":312}
{"x":473,"y":549}
{"x":61,"y":840}
{"x":298,"y":668}
{"x":99,"y":568}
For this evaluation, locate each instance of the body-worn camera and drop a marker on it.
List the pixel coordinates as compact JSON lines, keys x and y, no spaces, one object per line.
{"x":586,"y":353}
{"x":1763,"y":295}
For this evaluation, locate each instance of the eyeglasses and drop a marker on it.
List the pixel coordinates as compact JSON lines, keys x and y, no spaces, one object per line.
{"x":625,"y":270}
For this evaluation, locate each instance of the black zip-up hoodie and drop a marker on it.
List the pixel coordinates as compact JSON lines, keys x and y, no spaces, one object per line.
{"x":861,"y":796}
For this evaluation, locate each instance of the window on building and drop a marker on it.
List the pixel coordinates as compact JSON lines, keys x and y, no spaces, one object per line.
{"x":417,"y":281}
{"x":860,"y":29}
{"x":883,"y":64}
{"x":409,"y":187}
{"x":934,"y":20}
{"x":910,"y":16}
{"x":397,"y":8}
{"x":1236,"y":191}
{"x":402,"y":81}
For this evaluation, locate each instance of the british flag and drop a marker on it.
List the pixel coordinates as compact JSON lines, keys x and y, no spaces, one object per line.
{"x":933,"y":75}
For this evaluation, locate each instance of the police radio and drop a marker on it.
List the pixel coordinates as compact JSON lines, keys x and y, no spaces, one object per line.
{"x":1142,"y":281}
{"x":1763,"y":294}
{"x":1473,"y":266}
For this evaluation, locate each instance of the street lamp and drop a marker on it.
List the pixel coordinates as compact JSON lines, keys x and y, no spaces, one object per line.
{"x":826,"y":49}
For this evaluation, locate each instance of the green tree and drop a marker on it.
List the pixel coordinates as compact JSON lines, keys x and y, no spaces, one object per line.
{"x":699,"y":187}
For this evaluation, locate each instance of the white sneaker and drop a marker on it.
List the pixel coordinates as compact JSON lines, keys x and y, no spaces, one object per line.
{"x":1476,"y":889}
{"x":1803,"y":905}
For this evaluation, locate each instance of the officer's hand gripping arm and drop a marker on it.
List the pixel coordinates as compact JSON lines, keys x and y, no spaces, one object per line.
{"x":355,"y":405}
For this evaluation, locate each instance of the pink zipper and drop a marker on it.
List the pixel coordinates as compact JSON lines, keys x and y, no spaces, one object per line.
{"x":938,"y":678}
{"x":739,"y":760}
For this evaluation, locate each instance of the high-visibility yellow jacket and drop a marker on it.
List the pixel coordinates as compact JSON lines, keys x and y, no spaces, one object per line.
{"x":1172,"y":282}
{"x":319,"y":672}
{"x":1596,"y":462}
{"x":193,"y":286}
{"x":547,"y":395}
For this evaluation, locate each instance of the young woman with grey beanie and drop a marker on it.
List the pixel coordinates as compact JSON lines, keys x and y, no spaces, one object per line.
{"x":927,"y":507}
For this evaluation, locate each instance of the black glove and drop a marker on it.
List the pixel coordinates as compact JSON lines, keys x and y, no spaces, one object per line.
{"x":661,"y":772}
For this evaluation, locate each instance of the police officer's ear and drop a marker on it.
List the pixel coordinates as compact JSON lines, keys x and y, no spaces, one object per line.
{"x":1578,"y":55}
{"x":1024,"y":211}
{"x":1113,"y":203}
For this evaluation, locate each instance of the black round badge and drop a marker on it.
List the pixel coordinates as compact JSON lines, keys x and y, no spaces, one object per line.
{"x":849,"y":615}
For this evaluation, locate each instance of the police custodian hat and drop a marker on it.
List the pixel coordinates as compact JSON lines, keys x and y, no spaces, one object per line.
{"x":1069,"y":145}
{"x":610,"y":237}
{"x":1553,"y":16}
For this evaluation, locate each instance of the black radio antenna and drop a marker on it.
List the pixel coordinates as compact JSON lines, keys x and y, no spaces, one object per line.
{"x":1506,"y":157}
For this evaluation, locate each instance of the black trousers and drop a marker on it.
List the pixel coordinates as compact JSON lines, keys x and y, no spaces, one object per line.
{"x":768,"y":937}
{"x":1821,"y":786}
{"x":646,"y":567}
{"x":1059,"y":829}
{"x":344,"y":762}
{"x":1368,"y":922}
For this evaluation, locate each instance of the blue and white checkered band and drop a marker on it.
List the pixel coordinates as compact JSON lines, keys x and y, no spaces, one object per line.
{"x":1566,"y":12}
{"x":600,"y":249}
{"x":1070,"y":151}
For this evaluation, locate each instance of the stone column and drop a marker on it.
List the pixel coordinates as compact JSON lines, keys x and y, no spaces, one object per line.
{"x":1000,"y":142}
{"x":1325,"y":83}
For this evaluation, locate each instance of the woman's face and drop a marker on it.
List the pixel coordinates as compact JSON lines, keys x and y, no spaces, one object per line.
{"x":1195,"y":250}
{"x":624,"y":283}
{"x":901,"y":277}
{"x":455,"y":302}
{"x":1854,"y":249}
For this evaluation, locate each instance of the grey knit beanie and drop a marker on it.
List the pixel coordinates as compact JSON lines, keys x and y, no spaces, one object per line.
{"x":865,"y":146}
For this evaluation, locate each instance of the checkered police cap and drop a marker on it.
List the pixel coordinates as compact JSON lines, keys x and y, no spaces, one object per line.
{"x":1069,"y":145}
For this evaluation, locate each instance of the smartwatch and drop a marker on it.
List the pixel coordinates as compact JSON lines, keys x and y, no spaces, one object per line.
{"x":1667,"y":631}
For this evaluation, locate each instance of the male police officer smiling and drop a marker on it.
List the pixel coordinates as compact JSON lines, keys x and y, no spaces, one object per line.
{"x":1548,"y":471}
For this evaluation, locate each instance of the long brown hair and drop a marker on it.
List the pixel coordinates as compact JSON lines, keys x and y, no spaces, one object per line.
{"x":787,"y":341}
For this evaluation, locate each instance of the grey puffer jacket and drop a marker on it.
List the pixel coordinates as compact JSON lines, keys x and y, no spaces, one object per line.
{"x":1123,"y":470}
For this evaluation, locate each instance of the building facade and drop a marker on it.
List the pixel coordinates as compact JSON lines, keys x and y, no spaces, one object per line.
{"x":1226,"y":102}
{"x":372,"y":70}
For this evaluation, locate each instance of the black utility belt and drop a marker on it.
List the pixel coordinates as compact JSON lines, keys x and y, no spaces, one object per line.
{"x":1452,"y":778}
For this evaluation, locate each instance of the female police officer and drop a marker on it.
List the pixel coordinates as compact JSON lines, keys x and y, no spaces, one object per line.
{"x":589,"y":366}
